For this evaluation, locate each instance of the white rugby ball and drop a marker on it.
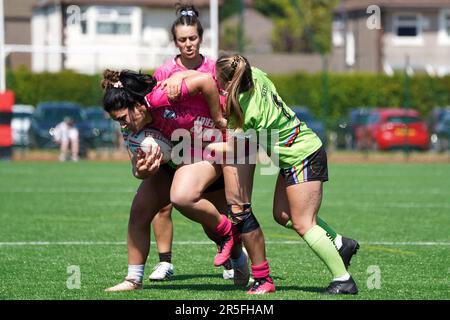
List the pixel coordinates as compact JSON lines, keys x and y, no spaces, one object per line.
{"x":147,"y":138}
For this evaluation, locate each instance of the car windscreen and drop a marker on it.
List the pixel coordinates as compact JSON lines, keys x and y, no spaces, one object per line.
{"x":446,"y":120}
{"x":21,"y":115}
{"x":57,"y":115}
{"x":359,"y":119}
{"x":403,"y":119}
{"x":96,"y":116}
{"x":373,"y":118}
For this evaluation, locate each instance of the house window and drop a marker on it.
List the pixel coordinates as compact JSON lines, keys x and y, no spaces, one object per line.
{"x":447,"y":24}
{"x":407,"y":29}
{"x":338,"y":32}
{"x":444,"y":27}
{"x":407,"y":25}
{"x":114,"y":21}
{"x":83,"y":21}
{"x":83,"y":26}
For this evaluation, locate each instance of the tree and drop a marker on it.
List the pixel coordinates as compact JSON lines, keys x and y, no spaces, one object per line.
{"x":300,"y":25}
{"x":229,"y":8}
{"x":232,"y":34}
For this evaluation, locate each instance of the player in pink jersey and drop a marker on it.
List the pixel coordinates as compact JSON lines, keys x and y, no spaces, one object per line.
{"x":250,"y":230}
{"x":187,"y":33}
{"x":126,"y":98}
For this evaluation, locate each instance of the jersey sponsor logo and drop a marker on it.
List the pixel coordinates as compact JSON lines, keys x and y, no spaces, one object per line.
{"x":264,"y":90}
{"x":169,"y":114}
{"x":205,"y":122}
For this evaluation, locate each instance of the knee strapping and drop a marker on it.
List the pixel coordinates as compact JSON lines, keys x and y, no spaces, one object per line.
{"x":244,"y":220}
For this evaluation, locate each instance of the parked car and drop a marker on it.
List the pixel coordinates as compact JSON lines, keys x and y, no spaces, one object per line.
{"x":350,"y":129}
{"x":395,"y":128}
{"x":106,"y":131}
{"x":49,"y":114}
{"x":436,"y":125}
{"x":442,"y":133}
{"x":436,"y":115}
{"x":20,"y":124}
{"x":315,"y":125}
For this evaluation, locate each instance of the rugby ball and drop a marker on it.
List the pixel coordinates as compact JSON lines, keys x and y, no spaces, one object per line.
{"x":147,"y":138}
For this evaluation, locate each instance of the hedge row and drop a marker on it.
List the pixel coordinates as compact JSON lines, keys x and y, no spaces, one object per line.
{"x":329,"y":96}
{"x":32,"y":88}
{"x":345,"y":91}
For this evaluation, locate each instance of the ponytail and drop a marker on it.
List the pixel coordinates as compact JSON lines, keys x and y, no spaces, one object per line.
{"x":236,"y":70}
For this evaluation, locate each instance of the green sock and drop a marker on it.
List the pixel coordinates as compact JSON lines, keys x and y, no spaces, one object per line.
{"x":330,"y":231}
{"x":322,"y":246}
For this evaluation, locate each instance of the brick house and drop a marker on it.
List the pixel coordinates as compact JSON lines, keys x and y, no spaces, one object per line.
{"x":410,"y":30}
{"x":18,"y":30}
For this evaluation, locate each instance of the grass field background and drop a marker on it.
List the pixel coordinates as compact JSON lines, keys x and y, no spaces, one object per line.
{"x":400,"y":213}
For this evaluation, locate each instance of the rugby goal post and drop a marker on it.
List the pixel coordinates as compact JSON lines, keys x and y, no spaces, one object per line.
{"x":2,"y":50}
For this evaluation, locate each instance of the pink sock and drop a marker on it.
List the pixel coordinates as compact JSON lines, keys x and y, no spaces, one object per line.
{"x":224,"y":227}
{"x":261,"y":271}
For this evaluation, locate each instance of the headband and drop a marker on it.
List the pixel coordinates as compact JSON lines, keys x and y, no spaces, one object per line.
{"x":189,"y":13}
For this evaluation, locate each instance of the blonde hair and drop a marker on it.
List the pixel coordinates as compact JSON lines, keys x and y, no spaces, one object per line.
{"x":236,"y":70}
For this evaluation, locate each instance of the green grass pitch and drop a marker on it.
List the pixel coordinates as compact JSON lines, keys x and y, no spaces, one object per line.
{"x":400,"y":213}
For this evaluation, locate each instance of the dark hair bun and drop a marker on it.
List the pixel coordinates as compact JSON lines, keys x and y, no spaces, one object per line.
{"x":110,"y":77}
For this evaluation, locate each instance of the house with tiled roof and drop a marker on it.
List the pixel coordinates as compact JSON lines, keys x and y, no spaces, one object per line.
{"x":98,"y":34}
{"x":17,"y":17}
{"x":390,"y":35}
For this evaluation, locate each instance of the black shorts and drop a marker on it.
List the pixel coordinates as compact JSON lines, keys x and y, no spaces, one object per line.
{"x":217,"y":185}
{"x":313,"y":168}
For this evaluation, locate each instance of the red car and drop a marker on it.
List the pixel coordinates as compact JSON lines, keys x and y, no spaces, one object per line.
{"x":396,"y":129}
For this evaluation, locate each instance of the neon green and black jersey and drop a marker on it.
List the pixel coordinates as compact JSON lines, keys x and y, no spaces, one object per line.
{"x":264,"y":110}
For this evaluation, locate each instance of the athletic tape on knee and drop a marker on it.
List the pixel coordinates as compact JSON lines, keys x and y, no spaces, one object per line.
{"x":244,"y":220}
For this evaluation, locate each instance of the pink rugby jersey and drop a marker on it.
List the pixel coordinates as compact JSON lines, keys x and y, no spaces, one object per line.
{"x":171,"y":66}
{"x":188,"y":112}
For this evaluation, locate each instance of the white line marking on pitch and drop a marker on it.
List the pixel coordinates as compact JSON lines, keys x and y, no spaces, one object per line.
{"x":107,"y":243}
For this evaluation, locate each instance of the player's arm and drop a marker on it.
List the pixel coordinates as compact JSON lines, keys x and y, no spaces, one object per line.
{"x":172,"y":85}
{"x":133,"y":159}
{"x":204,"y":83}
{"x":235,"y":139}
{"x":223,"y":147}
{"x":217,"y":147}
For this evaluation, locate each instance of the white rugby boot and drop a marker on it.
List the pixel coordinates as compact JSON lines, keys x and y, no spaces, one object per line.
{"x":162,"y":271}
